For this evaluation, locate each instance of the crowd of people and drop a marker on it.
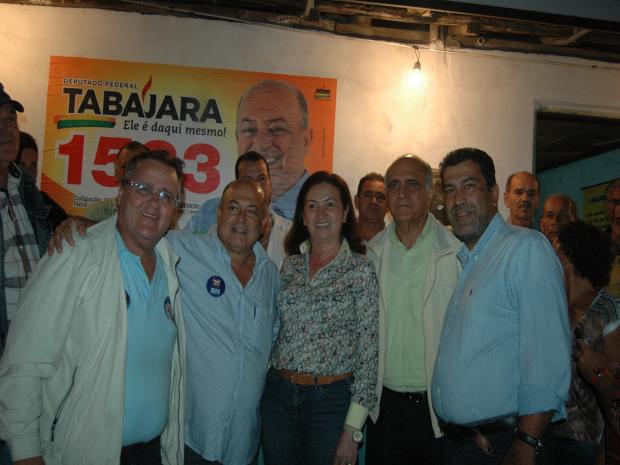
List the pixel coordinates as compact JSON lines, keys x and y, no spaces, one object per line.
{"x":280,"y":321}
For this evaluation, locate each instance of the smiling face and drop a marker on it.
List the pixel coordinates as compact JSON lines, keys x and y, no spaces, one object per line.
{"x":407,"y":196}
{"x":270,"y":122}
{"x":241,"y":216}
{"x":522,"y":199}
{"x":470,"y":203}
{"x":143,"y":219}
{"x":324,"y":214}
{"x":9,"y":133}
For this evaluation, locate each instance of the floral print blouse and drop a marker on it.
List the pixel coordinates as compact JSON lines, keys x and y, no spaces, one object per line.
{"x":329,"y":324}
{"x":584,"y":420}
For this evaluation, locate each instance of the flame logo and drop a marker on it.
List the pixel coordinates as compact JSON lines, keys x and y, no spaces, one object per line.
{"x":147,"y":87}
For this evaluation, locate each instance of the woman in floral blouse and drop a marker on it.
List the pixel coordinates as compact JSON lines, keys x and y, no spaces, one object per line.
{"x":585,"y":254}
{"x":324,"y":362}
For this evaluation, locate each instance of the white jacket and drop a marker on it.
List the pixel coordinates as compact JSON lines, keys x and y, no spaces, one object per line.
{"x":62,"y":375}
{"x":441,"y":280}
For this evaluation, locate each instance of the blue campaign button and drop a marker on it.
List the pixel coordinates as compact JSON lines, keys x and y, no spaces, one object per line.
{"x":216,"y":286}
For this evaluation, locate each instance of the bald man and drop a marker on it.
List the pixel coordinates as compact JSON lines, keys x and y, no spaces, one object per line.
{"x":558,"y":210}
{"x":522,"y":197}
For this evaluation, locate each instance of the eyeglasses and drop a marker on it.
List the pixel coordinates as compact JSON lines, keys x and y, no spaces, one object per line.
{"x":146,"y":190}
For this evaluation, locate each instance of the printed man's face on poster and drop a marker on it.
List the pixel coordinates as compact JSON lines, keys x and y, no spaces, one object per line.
{"x":272,"y":120}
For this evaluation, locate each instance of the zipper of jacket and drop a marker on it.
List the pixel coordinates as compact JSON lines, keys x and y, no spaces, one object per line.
{"x":180,"y":384}
{"x":61,"y":405}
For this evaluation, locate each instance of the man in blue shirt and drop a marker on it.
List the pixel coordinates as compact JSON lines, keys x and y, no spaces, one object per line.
{"x":250,"y":166}
{"x":504,"y":350}
{"x":229,"y":287}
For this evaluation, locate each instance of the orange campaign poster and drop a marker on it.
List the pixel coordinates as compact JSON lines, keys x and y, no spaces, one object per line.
{"x":94,"y":107}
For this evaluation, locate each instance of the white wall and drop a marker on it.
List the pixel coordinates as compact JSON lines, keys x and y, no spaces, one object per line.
{"x":483,"y":100}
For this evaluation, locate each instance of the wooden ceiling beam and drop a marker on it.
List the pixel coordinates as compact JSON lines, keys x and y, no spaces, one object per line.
{"x":401,"y":35}
{"x":489,"y":43}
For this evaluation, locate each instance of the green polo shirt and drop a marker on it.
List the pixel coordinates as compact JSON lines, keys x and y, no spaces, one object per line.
{"x":406,"y":273}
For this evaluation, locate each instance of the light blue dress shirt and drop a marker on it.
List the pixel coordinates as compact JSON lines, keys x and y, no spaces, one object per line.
{"x":505,"y":345}
{"x":151,"y":334}
{"x":229,"y":338}
{"x":284,"y":206}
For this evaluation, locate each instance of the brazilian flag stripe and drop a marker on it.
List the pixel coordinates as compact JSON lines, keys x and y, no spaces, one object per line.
{"x":84,"y":123}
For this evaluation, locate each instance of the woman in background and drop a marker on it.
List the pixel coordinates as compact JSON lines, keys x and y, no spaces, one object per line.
{"x":585,"y":254}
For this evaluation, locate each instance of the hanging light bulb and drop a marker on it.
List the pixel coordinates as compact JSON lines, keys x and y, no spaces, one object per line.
{"x":416,"y":77}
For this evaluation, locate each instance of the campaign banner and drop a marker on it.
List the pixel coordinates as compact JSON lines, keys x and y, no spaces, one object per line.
{"x":95,"y":107}
{"x":595,"y":205}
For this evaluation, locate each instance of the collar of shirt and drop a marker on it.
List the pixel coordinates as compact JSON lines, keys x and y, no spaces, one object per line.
{"x":12,"y":184}
{"x":426,"y":232}
{"x":344,"y":251}
{"x":131,"y":264}
{"x":15,"y":171}
{"x":464,"y":254}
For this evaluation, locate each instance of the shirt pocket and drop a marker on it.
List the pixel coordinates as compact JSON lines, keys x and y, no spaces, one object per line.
{"x":258,"y":327}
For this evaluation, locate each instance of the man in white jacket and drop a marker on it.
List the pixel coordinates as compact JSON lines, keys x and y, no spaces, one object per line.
{"x":417,"y":268}
{"x":93,"y":371}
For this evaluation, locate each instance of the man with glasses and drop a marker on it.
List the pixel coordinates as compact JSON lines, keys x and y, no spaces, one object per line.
{"x":371,"y":205}
{"x":94,"y":366}
{"x":25,"y":228}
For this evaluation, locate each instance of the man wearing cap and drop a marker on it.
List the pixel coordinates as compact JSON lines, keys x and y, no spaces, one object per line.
{"x":25,"y":228}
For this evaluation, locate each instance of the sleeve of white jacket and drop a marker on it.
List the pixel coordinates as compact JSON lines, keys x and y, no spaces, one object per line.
{"x":34,"y":348}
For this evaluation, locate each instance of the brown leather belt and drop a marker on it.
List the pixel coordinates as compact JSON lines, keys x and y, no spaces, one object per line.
{"x":310,"y":379}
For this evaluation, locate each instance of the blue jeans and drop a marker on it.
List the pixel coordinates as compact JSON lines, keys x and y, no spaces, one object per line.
{"x":301,"y":425}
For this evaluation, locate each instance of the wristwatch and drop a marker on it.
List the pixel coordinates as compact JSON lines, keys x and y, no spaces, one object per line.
{"x":358,"y":436}
{"x":531,"y":441}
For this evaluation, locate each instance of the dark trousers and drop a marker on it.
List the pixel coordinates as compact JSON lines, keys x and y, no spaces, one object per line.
{"x":194,"y":458}
{"x":464,"y":451}
{"x":302,"y":425}
{"x":403,"y":434}
{"x":561,"y":450}
{"x":5,"y":455}
{"x":143,"y":453}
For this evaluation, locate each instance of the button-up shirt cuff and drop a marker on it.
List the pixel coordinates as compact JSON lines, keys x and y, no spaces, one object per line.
{"x":25,"y":446}
{"x":537,"y":399}
{"x":356,"y":416}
